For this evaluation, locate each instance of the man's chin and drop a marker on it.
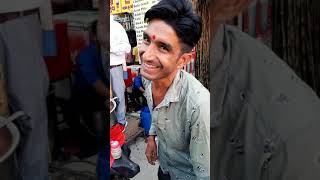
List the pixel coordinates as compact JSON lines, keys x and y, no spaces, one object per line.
{"x":146,"y":76}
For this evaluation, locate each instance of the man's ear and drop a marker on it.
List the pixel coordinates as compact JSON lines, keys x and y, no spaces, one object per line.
{"x":184,"y":59}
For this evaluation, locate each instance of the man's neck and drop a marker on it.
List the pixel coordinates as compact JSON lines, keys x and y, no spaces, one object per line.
{"x":164,"y":84}
{"x":160,"y":88}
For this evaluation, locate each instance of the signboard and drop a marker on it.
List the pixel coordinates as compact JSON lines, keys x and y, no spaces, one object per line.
{"x":121,"y":6}
{"x":115,"y":6}
{"x":127,"y":6}
{"x":140,"y":7}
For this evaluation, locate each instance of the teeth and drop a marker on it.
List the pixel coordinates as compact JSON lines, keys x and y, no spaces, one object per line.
{"x":149,"y":66}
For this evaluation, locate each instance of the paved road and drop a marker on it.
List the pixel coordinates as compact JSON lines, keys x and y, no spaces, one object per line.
{"x":147,"y":171}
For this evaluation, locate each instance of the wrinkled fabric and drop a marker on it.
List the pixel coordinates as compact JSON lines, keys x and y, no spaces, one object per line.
{"x":181,"y":122}
{"x":119,"y":43}
{"x":27,"y":85}
{"x":265,"y":120}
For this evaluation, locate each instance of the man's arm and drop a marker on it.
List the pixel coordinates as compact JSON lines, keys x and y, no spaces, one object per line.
{"x":200,"y":141}
{"x":86,"y":66}
{"x":101,"y":88}
{"x":139,"y":84}
{"x":121,"y":45}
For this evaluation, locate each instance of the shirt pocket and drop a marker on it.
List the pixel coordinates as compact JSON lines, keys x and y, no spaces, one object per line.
{"x":175,"y":129}
{"x":159,"y":119}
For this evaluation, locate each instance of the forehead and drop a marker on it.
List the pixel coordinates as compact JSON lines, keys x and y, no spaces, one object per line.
{"x":161,"y":31}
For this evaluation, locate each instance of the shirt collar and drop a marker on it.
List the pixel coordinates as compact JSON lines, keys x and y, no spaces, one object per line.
{"x":174,"y":92}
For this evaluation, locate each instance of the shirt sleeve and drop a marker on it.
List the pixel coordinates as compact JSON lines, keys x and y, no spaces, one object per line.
{"x":88,"y":69}
{"x":152,"y":130}
{"x":121,"y":44}
{"x":200,"y":141}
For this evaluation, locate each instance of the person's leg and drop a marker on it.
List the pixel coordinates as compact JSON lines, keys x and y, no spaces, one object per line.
{"x":162,"y":176}
{"x":103,"y":167}
{"x":27,"y":85}
{"x":136,"y":96}
{"x":118,"y":87}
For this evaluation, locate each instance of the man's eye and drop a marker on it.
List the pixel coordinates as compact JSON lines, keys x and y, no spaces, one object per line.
{"x":163,"y":48}
{"x":146,"y":39}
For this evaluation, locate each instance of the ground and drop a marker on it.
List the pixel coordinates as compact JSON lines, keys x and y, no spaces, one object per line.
{"x":147,"y":171}
{"x":85,"y":170}
{"x":74,"y":169}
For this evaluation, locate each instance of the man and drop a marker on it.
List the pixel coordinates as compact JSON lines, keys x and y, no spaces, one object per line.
{"x":265,"y":119}
{"x":89,"y":95}
{"x":27,"y":82}
{"x":89,"y":76}
{"x":179,"y":103}
{"x":119,"y":46}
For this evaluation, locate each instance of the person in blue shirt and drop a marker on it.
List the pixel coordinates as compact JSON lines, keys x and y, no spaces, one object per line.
{"x":89,"y":97}
{"x":89,"y":93}
{"x":89,"y":73}
{"x":137,"y":91}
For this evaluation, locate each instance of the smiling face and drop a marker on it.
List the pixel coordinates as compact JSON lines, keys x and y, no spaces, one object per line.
{"x":160,"y":52}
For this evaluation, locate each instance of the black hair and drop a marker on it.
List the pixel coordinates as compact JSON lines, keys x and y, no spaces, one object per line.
{"x":180,"y":15}
{"x":132,"y":37}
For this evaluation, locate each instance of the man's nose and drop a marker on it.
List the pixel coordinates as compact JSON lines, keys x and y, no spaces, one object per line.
{"x":148,"y":53}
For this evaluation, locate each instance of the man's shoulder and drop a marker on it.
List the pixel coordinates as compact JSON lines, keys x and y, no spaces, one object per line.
{"x":245,"y":45}
{"x":193,"y":82}
{"x":116,"y":27}
{"x":194,"y":89}
{"x":88,"y":52}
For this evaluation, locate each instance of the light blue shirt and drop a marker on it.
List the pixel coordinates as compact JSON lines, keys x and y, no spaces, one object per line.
{"x":182,"y":124}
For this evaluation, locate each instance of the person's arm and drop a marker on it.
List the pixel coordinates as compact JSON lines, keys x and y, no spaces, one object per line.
{"x":152,"y":149}
{"x":121,"y":44}
{"x":101,"y":88}
{"x":139,"y":84}
{"x":87,"y":68}
{"x":200,"y":141}
{"x":141,"y":89}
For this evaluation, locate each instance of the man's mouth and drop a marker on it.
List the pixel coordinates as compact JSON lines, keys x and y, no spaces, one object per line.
{"x":149,"y":66}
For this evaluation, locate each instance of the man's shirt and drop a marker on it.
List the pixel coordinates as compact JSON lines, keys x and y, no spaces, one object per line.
{"x":265,"y":119}
{"x":181,"y":122}
{"x":119,"y":43}
{"x":88,"y":69}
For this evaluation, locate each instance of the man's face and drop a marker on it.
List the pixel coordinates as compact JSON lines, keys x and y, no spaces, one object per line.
{"x":160,"y":51}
